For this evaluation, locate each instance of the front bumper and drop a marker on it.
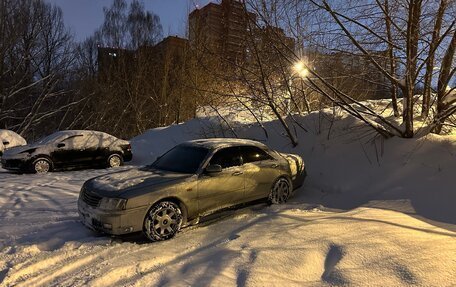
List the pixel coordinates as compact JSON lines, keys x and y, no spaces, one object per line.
{"x":15,"y":164}
{"x":112,"y":222}
{"x":299,"y":179}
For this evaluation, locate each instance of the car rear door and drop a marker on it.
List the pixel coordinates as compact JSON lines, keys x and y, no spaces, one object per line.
{"x":225,"y":188}
{"x":260,"y":171}
{"x":102,"y":145}
{"x":92,"y":148}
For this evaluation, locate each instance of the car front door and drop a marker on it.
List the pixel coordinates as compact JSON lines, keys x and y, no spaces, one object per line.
{"x":70,"y":151}
{"x":260,"y":171}
{"x":222,"y":189}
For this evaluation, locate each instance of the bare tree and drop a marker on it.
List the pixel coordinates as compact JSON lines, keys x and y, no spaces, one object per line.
{"x":445,"y":108}
{"x":435,"y":40}
{"x":37,"y":55}
{"x":129,"y":26}
{"x":354,"y":27}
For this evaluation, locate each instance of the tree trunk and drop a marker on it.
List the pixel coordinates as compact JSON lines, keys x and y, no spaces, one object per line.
{"x":413,"y":26}
{"x":391,"y":58}
{"x":293,"y":139}
{"x":430,"y":63}
{"x":444,"y":78}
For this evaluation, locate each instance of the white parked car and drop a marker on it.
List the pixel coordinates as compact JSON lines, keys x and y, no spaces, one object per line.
{"x":450,"y":98}
{"x":9,"y":139}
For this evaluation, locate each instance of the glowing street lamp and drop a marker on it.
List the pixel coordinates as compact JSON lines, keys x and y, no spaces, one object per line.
{"x":300,"y":69}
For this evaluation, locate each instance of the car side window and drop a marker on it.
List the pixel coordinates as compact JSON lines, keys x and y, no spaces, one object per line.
{"x":227,"y":157}
{"x":74,"y":142}
{"x":93,"y":140}
{"x":253,"y":154}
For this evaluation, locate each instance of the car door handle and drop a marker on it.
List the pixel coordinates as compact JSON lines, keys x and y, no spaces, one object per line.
{"x":237,"y":173}
{"x":274,"y":165}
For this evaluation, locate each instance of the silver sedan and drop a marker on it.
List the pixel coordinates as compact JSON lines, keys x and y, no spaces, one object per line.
{"x":191,"y":180}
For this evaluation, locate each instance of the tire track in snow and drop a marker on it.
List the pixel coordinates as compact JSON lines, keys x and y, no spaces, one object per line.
{"x":40,"y":271}
{"x":115,"y":253}
{"x":62,"y":268}
{"x":33,"y":266}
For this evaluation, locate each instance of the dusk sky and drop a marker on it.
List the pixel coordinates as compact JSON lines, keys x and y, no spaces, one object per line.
{"x":84,"y":16}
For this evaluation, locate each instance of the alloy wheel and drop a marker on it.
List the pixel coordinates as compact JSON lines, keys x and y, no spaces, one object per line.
{"x":163,"y":221}
{"x":115,"y":161}
{"x":42,"y":166}
{"x":280,"y":191}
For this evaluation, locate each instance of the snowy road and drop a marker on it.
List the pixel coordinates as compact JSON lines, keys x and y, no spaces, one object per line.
{"x":42,"y":243}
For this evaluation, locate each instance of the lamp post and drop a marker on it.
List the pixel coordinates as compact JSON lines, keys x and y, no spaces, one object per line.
{"x":300,"y":69}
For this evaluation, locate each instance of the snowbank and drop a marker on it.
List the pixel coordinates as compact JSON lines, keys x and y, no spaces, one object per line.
{"x":372,"y":212}
{"x":348,"y":166}
{"x":9,"y":139}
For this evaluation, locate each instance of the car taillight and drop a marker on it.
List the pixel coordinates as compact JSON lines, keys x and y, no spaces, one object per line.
{"x":129,"y":147}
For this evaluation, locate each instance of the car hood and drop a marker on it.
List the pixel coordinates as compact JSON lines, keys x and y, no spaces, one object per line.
{"x":134,"y":178}
{"x":19,"y":149}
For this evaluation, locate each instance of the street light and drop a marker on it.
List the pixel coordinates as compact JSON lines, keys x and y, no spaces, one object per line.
{"x":300,"y":69}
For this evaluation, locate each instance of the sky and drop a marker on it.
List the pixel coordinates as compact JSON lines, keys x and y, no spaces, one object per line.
{"x":83,"y":17}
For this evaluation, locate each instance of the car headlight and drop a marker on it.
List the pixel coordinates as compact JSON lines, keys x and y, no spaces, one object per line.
{"x":113,"y":203}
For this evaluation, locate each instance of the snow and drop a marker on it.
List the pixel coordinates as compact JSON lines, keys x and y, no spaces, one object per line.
{"x":76,"y":139}
{"x":372,"y":212}
{"x":450,"y":97}
{"x":12,"y":138}
{"x":132,"y":177}
{"x":121,"y":180}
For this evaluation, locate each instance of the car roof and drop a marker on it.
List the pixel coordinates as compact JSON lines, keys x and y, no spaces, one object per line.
{"x":7,"y":132}
{"x":77,"y":132}
{"x":214,"y":143}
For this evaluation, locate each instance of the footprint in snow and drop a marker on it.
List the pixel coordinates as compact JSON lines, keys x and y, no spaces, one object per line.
{"x":331,"y":275}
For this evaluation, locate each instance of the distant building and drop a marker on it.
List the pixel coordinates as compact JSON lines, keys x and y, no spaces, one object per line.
{"x":170,"y":77}
{"x":110,"y":61}
{"x":355,"y":74}
{"x":274,"y":43}
{"x":156,"y":72}
{"x":221,"y":29}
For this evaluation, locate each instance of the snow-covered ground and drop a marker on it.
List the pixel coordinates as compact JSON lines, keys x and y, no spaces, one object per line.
{"x":372,"y":212}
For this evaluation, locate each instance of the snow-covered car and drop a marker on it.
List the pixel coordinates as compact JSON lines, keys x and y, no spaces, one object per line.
{"x":191,"y":180}
{"x":450,"y":97}
{"x":68,"y":149}
{"x":9,"y":139}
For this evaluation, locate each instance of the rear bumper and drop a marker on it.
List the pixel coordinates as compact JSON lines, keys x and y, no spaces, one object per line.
{"x":128,"y":155}
{"x":111,"y":222}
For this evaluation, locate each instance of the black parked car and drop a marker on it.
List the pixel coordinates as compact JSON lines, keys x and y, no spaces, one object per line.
{"x":68,"y":149}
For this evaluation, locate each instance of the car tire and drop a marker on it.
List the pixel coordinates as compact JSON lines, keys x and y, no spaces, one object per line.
{"x":280,"y":191}
{"x":41,"y":165}
{"x":163,"y":221}
{"x":115,"y":160}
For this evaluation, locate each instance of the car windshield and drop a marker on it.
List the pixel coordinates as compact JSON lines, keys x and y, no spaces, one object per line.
{"x":182,"y":159}
{"x":50,"y":138}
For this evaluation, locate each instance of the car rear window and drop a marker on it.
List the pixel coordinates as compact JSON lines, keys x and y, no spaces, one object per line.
{"x":253,"y":154}
{"x":182,"y":159}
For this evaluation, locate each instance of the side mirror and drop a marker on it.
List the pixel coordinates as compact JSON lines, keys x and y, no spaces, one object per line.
{"x":60,"y":145}
{"x":213,"y":168}
{"x":6,"y":142}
